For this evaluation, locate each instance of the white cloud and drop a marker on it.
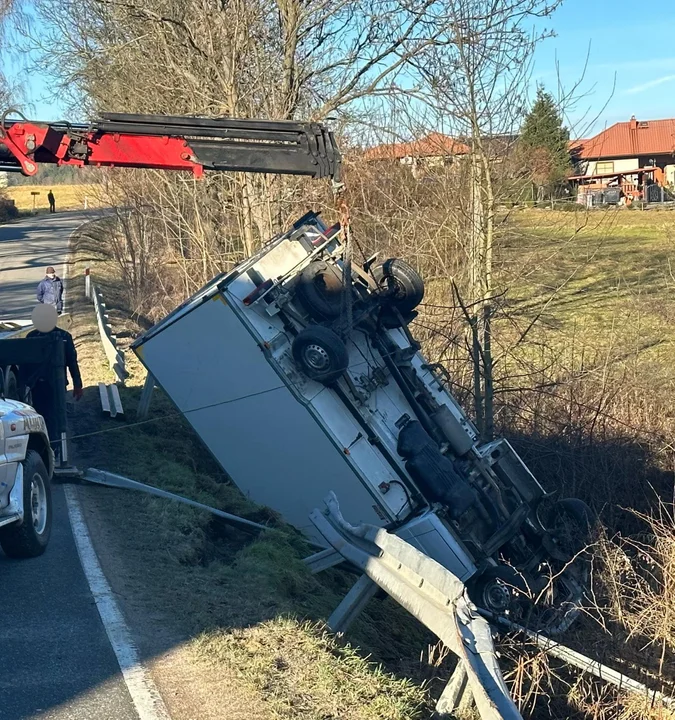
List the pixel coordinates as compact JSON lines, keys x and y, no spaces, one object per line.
{"x":648,"y":85}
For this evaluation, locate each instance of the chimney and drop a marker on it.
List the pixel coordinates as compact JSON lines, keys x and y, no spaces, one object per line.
{"x":632,"y":134}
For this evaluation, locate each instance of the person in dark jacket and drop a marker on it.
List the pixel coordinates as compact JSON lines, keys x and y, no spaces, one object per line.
{"x":52,"y":202}
{"x":44,"y":319}
{"x":50,"y":290}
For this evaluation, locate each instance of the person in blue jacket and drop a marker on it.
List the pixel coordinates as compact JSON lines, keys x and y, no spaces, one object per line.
{"x":50,"y":290}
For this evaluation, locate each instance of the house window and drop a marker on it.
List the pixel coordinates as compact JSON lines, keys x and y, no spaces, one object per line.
{"x":604,"y":168}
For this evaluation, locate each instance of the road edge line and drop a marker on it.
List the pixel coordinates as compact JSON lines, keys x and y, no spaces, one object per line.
{"x":142,"y":689}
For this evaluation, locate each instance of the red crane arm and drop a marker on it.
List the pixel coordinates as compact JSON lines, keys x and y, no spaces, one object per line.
{"x":172,"y":143}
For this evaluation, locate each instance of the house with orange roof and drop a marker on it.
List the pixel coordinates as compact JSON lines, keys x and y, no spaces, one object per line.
{"x":629,"y":146}
{"x":434,"y":145}
{"x":432,"y":150}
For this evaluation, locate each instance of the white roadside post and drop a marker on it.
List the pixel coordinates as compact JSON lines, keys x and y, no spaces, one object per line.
{"x":87,"y":284}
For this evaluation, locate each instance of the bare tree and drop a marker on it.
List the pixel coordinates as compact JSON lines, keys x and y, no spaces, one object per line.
{"x":477,"y":76}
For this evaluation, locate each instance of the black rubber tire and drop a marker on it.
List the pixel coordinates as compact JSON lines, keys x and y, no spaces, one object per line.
{"x":511,"y":585}
{"x":320,"y":353}
{"x":571,"y":522}
{"x":401,"y":284}
{"x":11,"y":385}
{"x":321,"y":290}
{"x":24,"y":540}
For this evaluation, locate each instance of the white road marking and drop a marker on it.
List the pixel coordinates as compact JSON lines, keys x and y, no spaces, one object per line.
{"x":144,"y":694}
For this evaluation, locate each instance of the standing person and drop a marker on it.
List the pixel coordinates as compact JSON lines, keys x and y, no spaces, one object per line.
{"x":50,"y":290}
{"x":40,"y":382}
{"x":52,"y":202}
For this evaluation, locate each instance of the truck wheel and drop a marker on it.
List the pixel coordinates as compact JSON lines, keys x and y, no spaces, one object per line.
{"x":400,"y":284}
{"x":320,"y":290}
{"x":320,"y":353}
{"x":497,"y":589}
{"x":31,"y":537}
{"x":571,"y":523}
{"x":11,"y":386}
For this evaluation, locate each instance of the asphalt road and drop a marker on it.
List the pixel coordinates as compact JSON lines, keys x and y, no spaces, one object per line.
{"x":27,"y":248}
{"x":56,"y":662}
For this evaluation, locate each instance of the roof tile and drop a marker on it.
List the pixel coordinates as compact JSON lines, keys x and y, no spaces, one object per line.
{"x":627,"y":139}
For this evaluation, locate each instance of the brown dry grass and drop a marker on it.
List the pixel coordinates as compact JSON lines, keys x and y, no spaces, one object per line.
{"x":67,"y":197}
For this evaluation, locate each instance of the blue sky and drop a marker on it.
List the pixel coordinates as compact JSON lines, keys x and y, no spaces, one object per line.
{"x":624,"y":40}
{"x":632,"y":42}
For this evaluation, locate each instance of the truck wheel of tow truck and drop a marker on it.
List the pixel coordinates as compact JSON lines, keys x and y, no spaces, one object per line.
{"x":30,"y":539}
{"x":401,"y":285}
{"x":11,"y":386}
{"x":320,"y":353}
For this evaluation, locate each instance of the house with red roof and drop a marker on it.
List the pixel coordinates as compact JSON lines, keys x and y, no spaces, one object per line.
{"x":629,"y":146}
{"x":436,"y":149}
{"x":433,"y":150}
{"x":434,"y":145}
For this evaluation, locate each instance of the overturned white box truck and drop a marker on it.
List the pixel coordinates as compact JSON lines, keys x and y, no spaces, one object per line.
{"x":298,"y":371}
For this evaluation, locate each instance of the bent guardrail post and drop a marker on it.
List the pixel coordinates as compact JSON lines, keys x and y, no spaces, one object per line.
{"x":430,"y":592}
{"x":363,"y":590}
{"x":146,"y":396}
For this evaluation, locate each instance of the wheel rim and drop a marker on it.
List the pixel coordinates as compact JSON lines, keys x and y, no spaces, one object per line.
{"x":38,"y":503}
{"x":496,"y":596}
{"x":316,"y":357}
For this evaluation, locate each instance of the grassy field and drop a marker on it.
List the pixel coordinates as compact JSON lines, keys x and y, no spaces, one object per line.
{"x":596,"y":282}
{"x":592,"y":267}
{"x":67,"y":197}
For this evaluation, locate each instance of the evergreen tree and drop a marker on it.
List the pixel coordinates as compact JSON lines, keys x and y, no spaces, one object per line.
{"x":545,"y":141}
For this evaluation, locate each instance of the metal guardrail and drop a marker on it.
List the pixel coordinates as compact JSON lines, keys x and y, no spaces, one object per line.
{"x":431,"y":593}
{"x":113,"y":353}
{"x":437,"y":598}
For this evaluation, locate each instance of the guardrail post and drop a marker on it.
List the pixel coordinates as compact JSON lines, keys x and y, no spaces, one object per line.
{"x":353,"y":603}
{"x":146,"y":395}
{"x":87,"y":284}
{"x":451,"y":697}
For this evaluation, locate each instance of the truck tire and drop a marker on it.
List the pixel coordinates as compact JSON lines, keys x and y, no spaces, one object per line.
{"x":497,"y":589}
{"x":11,"y":386}
{"x":571,"y":523}
{"x":320,"y":353}
{"x":321,"y":290}
{"x":30,"y":538}
{"x":401,"y":285}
